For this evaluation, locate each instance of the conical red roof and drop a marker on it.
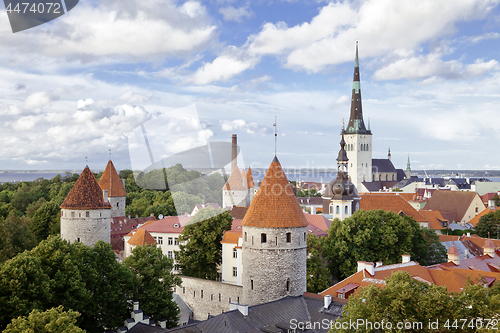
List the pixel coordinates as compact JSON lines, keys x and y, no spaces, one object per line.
{"x":244,"y":176}
{"x":275,"y":204}
{"x":235,"y":181}
{"x":250,"y":178}
{"x":85,"y":194}
{"x":111,"y":181}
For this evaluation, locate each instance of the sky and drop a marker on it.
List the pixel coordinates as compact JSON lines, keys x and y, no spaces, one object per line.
{"x":188,"y":73}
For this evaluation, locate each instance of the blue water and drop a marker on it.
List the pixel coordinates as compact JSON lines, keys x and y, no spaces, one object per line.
{"x":25,"y":176}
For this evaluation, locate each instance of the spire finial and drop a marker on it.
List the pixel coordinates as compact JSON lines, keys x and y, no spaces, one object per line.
{"x":109,"y":153}
{"x":86,"y":161}
{"x":342,"y":125}
{"x":275,"y":133}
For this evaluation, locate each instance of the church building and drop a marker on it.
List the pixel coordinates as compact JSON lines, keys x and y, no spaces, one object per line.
{"x":367,"y":174}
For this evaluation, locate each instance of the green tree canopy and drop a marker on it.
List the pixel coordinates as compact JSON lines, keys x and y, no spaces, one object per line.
{"x":318,"y":275}
{"x":154,"y":281}
{"x":377,"y":235}
{"x":200,"y":250}
{"x":54,"y":320}
{"x":489,"y":224}
{"x":16,"y":236}
{"x":421,"y":306}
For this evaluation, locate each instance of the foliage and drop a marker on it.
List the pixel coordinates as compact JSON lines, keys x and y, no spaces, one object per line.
{"x":44,"y":219}
{"x":318,"y":275}
{"x":378,"y":236}
{"x":309,"y":193}
{"x":200,"y":250}
{"x":154,"y":281}
{"x":497,"y":199}
{"x":16,"y":236}
{"x":489,"y":224}
{"x":411,"y":302}
{"x":54,"y":320}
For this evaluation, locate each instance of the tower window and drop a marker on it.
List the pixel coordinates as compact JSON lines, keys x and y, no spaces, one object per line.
{"x":72,"y":214}
{"x":251,"y":284}
{"x":287,"y":284}
{"x":87,"y":214}
{"x":219,"y":297}
{"x":79,"y":214}
{"x":337,"y":210}
{"x":202,"y":293}
{"x":117,"y":205}
{"x":276,"y":240}
{"x":183,"y":290}
{"x":288,"y":237}
{"x":263,"y":238}
{"x":245,"y":236}
{"x":252,"y":240}
{"x":235,"y":253}
{"x":305,"y":236}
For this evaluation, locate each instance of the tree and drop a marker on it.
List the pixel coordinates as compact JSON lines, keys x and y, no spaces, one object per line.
{"x":489,"y":224}
{"x":318,"y":275}
{"x":417,"y":306}
{"x":43,"y":220}
{"x":16,"y":236}
{"x":497,"y":199}
{"x":154,"y":281}
{"x":200,"y":250}
{"x":378,"y":236}
{"x":54,"y":320}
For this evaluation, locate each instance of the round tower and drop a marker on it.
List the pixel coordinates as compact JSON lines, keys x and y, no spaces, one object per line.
{"x":111,"y":182}
{"x":274,"y":246}
{"x":86,"y":212}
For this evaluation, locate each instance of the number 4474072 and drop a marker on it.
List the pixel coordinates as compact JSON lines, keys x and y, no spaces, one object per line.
{"x":26,"y":7}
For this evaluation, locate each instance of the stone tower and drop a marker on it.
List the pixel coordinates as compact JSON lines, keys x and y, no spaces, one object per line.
{"x":274,"y":245}
{"x":341,"y":198}
{"x":86,"y":212}
{"x":111,"y":182}
{"x":234,"y":192}
{"x":358,"y":138}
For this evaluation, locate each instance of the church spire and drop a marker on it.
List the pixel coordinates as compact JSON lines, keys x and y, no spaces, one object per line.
{"x":408,"y":169}
{"x":356,"y":124}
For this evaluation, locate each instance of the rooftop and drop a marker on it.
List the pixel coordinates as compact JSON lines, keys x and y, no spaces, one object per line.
{"x":85,"y":194}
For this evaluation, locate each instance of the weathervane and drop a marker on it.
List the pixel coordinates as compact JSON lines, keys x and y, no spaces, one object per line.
{"x":275,"y":133}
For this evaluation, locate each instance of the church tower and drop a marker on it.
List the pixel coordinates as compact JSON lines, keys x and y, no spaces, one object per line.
{"x":86,"y":212}
{"x":274,"y":245}
{"x":408,"y":169}
{"x":340,"y":198}
{"x":358,"y":138}
{"x":111,"y":182}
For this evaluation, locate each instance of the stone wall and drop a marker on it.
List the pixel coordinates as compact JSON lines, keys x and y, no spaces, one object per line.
{"x":275,"y":268}
{"x":207,"y":297}
{"x":117,"y":206}
{"x":235,"y":198}
{"x":76,"y":226}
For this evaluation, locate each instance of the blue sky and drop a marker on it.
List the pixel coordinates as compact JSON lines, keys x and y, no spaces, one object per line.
{"x":197,"y":72}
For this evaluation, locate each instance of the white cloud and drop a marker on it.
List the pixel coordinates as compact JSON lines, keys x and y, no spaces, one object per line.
{"x":235,"y":14}
{"x":40,"y":99}
{"x":242,"y":125}
{"x":82,"y":104}
{"x":25,"y":123}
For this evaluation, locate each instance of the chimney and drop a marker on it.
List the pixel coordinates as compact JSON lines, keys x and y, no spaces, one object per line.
{"x":243,"y":308}
{"x":370,"y":268}
{"x":361,"y":266}
{"x":489,"y":248}
{"x":468,"y":234}
{"x":453,"y":255}
{"x":234,"y":154}
{"x":327,"y":301}
{"x":105,"y":195}
{"x":136,"y":305}
{"x":405,"y":258}
{"x":379,"y":264}
{"x":491,"y":204}
{"x":163,"y":323}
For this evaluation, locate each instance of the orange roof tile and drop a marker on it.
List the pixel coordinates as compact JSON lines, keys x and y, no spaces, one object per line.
{"x":111,"y":181}
{"x":235,"y":181}
{"x":433,"y":216}
{"x":167,"y":225}
{"x":393,"y":203}
{"x":231,"y":237}
{"x":238,"y":212}
{"x":453,"y":250}
{"x":250,"y":182}
{"x":275,"y":204}
{"x":85,"y":194}
{"x":319,"y":221}
{"x":479,"y":241}
{"x":476,"y":218}
{"x":448,"y":238}
{"x":142,"y":237}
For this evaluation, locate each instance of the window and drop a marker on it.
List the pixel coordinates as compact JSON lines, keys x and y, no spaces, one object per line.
{"x":235,"y":271}
{"x":156,"y":239}
{"x":235,"y":253}
{"x":78,"y":239}
{"x":251,"y":284}
{"x":176,"y":268}
{"x":252,"y":240}
{"x":212,"y":297}
{"x":117,"y":205}
{"x":331,"y":208}
{"x":337,"y":210}
{"x":194,"y":293}
{"x":287,"y":284}
{"x":170,"y":241}
{"x":169,"y":254}
{"x":346,"y":210}
{"x":245,"y":236}
{"x":201,"y":293}
{"x":183,"y":290}
{"x":477,"y":209}
{"x":176,"y":241}
{"x":79,"y":214}
{"x":160,"y":240}
{"x":219,"y":298}
{"x":87,"y":214}
{"x":305,"y":236}
{"x":276,"y":240}
{"x":288,"y":237}
{"x":263,"y":238}
{"x":72,"y":214}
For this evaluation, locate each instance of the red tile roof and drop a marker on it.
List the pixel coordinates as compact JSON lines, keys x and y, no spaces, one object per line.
{"x":434,"y":217}
{"x":169,"y":224}
{"x":451,"y":201}
{"x":389,"y":202}
{"x":238,"y":212}
{"x":319,"y":221}
{"x":231,"y":237}
{"x":141,"y":237}
{"x":275,"y":204}
{"x":111,"y":181}
{"x":85,"y":194}
{"x":236,"y":225}
{"x":235,"y":181}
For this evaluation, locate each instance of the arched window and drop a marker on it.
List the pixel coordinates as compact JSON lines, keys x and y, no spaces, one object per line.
{"x":331,"y":208}
{"x":337,"y":210}
{"x":346,"y":208}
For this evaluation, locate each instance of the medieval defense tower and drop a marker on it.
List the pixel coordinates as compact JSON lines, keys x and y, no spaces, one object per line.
{"x":357,"y":137}
{"x":274,"y":245}
{"x":111,"y":182}
{"x":86,"y":212}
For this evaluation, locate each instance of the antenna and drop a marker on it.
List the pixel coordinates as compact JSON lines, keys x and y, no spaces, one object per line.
{"x":275,"y":133}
